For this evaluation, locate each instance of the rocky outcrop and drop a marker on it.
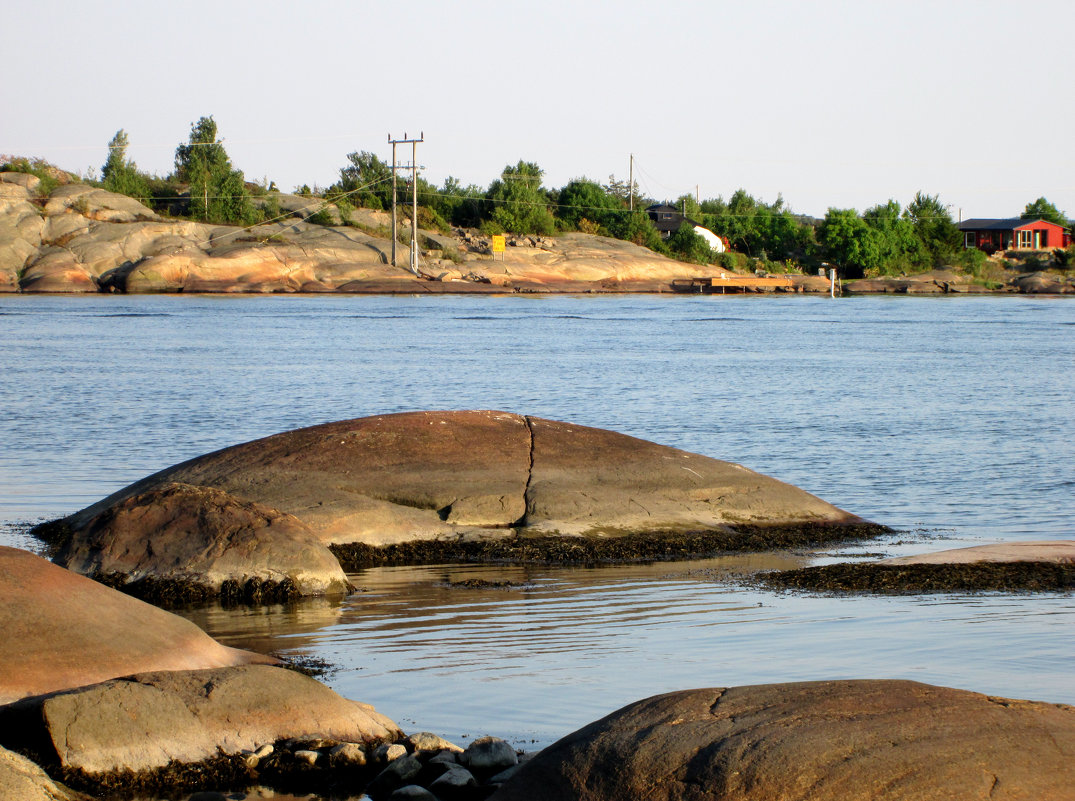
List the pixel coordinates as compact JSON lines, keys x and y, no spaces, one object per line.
{"x":200,"y":536}
{"x":462,"y":477}
{"x":146,"y":721}
{"x":1058,"y":551}
{"x":1046,"y":566}
{"x":812,"y":741}
{"x":84,"y":239}
{"x":934,"y":282}
{"x":62,"y":630}
{"x":1041,"y":283}
{"x":22,"y":780}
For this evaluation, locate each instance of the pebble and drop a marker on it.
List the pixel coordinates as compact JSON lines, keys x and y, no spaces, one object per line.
{"x":389,"y":752}
{"x":427,"y":741}
{"x":413,"y":792}
{"x":307,"y":756}
{"x":347,"y":754}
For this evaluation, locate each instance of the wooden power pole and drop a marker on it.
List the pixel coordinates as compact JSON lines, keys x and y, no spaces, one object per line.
{"x":414,"y":196}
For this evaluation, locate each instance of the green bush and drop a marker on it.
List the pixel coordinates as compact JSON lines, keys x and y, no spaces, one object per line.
{"x":972,"y":260}
{"x":687,"y":245}
{"x":42,"y":170}
{"x":322,"y":217}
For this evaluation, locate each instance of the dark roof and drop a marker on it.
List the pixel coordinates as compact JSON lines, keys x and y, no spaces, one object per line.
{"x":673,"y":218}
{"x":1009,"y":224}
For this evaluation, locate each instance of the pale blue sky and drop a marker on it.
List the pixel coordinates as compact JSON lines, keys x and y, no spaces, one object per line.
{"x":829,"y":103}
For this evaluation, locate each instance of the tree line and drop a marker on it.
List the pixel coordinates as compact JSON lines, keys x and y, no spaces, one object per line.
{"x":886,"y":239}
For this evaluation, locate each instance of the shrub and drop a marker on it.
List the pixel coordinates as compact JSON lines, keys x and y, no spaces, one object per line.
{"x":322,"y":217}
{"x":972,"y":261}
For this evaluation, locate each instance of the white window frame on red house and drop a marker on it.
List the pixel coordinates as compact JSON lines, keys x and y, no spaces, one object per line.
{"x":970,"y":239}
{"x":1026,"y":238}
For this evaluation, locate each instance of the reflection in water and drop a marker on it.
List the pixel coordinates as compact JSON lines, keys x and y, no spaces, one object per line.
{"x":551,"y":649}
{"x":264,"y":628}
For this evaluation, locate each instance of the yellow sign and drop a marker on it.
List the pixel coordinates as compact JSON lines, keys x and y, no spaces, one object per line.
{"x":498,"y":244}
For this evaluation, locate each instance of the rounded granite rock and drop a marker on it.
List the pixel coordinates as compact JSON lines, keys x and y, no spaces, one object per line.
{"x":62,"y":630}
{"x":205,"y":537}
{"x":147,"y":721}
{"x":812,"y":741}
{"x":473,"y":476}
{"x":22,"y":780}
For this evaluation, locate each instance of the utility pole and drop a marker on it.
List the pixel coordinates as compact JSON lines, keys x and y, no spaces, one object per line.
{"x":631,"y":184}
{"x":393,"y":200}
{"x":414,"y":187}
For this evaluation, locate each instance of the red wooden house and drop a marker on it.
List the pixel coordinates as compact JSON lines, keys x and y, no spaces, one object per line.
{"x":1013,"y":234}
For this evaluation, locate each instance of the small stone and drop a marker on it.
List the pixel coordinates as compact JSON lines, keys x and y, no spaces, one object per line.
{"x":400,"y":772}
{"x":427,"y":741}
{"x":413,"y":792}
{"x":489,"y":752}
{"x":453,"y":783}
{"x":347,"y":754}
{"x":251,"y":759}
{"x":307,"y":756}
{"x":263,"y":751}
{"x":389,"y":752}
{"x":444,"y":758}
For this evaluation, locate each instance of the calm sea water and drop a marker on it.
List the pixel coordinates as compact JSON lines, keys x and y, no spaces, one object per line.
{"x":946,"y":418}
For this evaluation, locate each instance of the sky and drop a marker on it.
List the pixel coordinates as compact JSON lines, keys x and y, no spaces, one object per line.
{"x":830,"y":103}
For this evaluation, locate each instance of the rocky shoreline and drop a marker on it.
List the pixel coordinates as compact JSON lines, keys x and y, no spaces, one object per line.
{"x":80,"y":239}
{"x":104,"y":694}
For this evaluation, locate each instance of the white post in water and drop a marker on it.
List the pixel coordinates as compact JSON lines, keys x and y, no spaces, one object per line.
{"x":832,"y":282}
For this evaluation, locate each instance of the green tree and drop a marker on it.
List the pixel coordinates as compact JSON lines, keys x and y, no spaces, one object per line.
{"x":217,"y":190}
{"x":519,"y":204}
{"x":688,"y":206}
{"x":637,"y":227}
{"x":900,"y":249}
{"x":849,"y":242}
{"x":460,"y":205}
{"x":940,"y":237}
{"x":366,"y":181}
{"x":756,"y":228}
{"x":585,"y":199}
{"x":121,"y":175}
{"x":626,"y":191}
{"x":1042,"y":209}
{"x":689,"y":246}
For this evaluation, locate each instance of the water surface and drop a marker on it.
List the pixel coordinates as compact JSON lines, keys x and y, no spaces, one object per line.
{"x":946,"y":418}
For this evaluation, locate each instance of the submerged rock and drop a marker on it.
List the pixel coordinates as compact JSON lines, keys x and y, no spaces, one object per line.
{"x":1058,"y":551}
{"x":1046,"y":566}
{"x":469,"y":484}
{"x":62,"y":630}
{"x":811,"y":741}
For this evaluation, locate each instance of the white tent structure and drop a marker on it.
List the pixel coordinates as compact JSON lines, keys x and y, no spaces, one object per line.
{"x":715,"y":243}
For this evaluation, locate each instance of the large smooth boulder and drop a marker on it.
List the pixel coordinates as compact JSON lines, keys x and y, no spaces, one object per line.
{"x":148,"y":720}
{"x":812,"y":741}
{"x":61,"y":630}
{"x":483,"y":474}
{"x":22,"y":780}
{"x":204,"y":537}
